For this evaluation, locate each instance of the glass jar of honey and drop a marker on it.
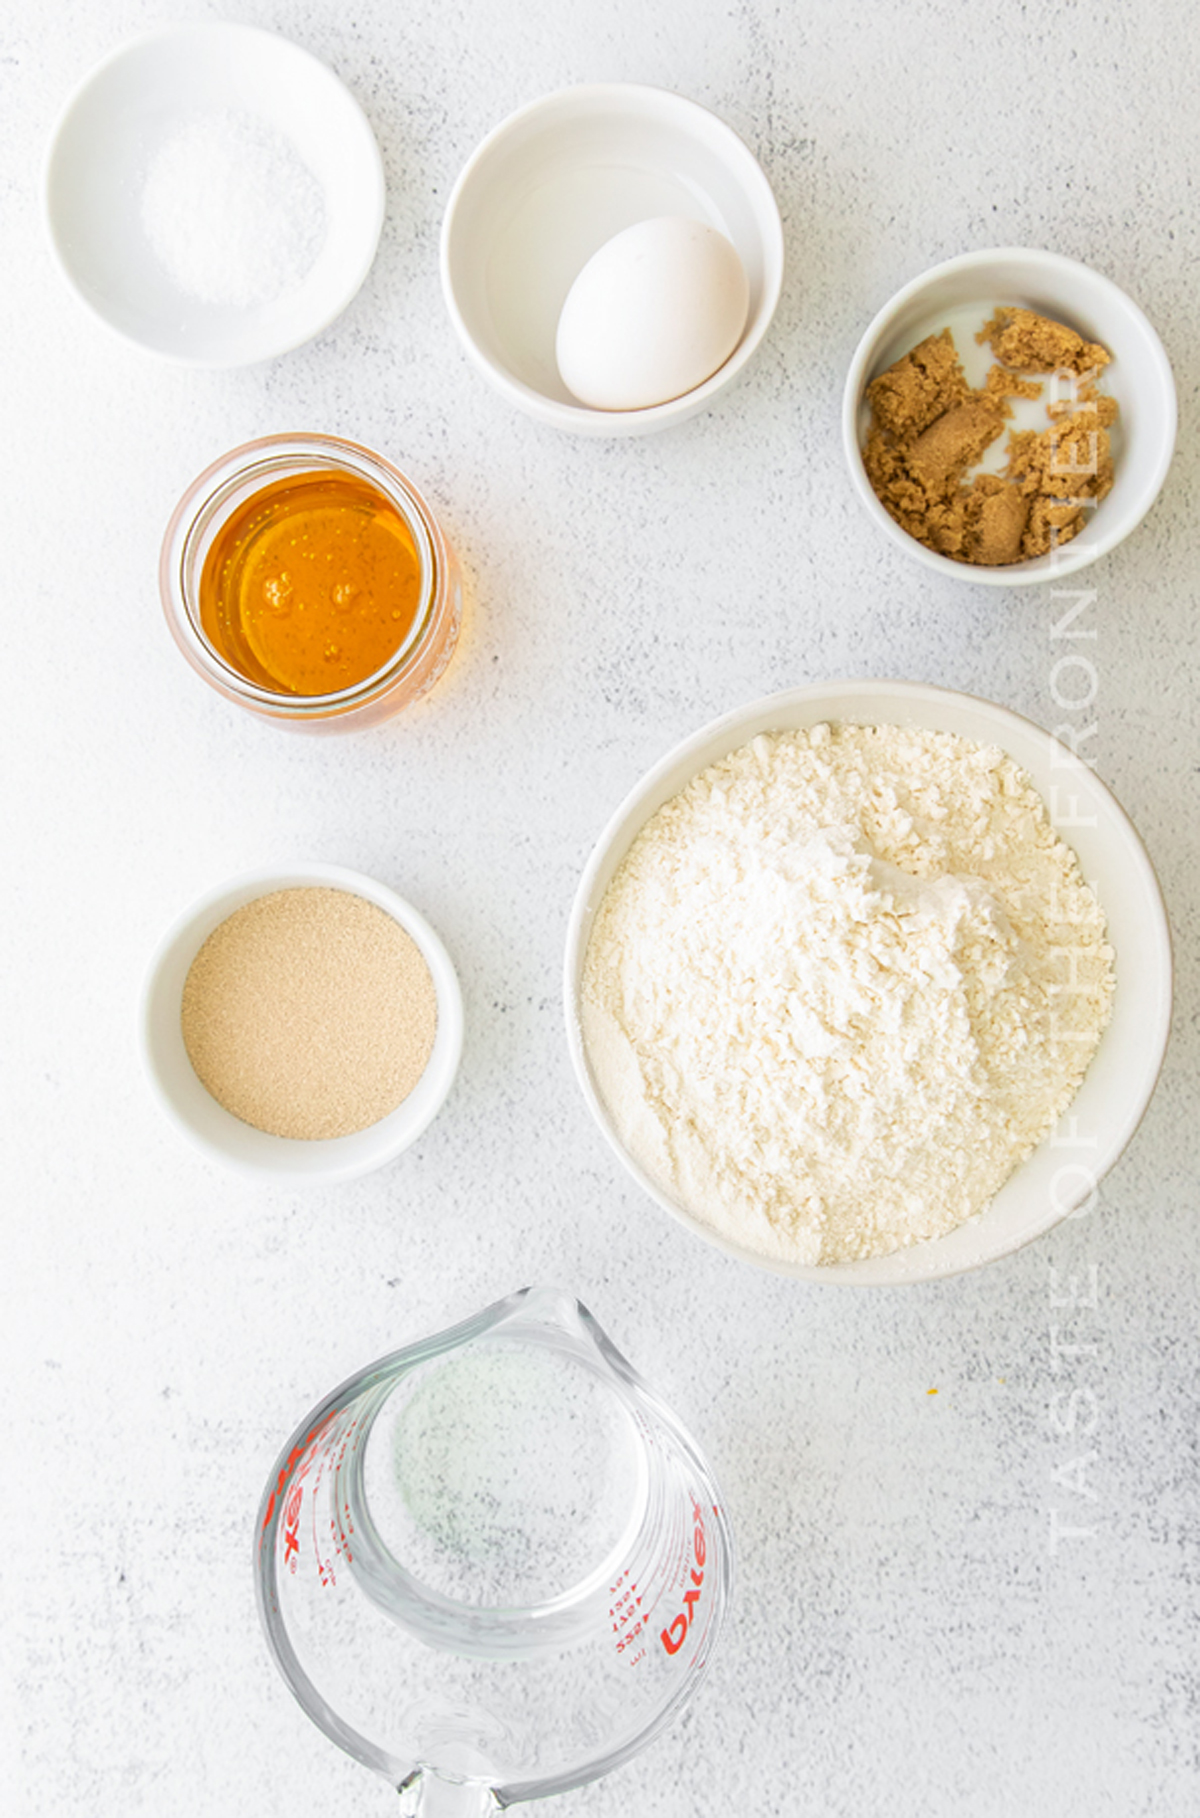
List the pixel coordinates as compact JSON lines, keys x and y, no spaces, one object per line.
{"x":306,"y":579}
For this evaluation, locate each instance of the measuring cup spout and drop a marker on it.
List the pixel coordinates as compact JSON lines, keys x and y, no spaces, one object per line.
{"x":556,"y":1318}
{"x":542,"y":1310}
{"x":426,"y":1795}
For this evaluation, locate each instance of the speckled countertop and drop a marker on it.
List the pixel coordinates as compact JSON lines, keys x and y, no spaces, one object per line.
{"x":947,"y":1603}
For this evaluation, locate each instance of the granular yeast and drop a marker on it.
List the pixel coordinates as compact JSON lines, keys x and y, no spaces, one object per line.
{"x":309,"y":1013}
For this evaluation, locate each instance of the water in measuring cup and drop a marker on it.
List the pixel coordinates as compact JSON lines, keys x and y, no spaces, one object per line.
{"x":493,"y":1558}
{"x":504,"y":1476}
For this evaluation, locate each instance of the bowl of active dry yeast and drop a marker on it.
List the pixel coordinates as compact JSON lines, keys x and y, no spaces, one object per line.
{"x":869,"y":982}
{"x":301,"y":1022}
{"x":1009,"y":417}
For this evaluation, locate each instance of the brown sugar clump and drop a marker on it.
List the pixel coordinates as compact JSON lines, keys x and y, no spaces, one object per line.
{"x":996,"y":515}
{"x":1060,"y":468}
{"x":929,"y":428}
{"x":919,"y":478}
{"x":1000,"y":383}
{"x":1031,"y":343}
{"x":907,"y":398}
{"x":942,"y":453}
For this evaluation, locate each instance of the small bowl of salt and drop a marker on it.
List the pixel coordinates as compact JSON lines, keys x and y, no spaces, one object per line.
{"x":214,"y":194}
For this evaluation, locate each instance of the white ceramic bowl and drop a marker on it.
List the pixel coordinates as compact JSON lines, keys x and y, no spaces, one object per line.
{"x":225,"y":1138}
{"x":548,"y":188}
{"x":1139,"y":378}
{"x":1054,"y":1181}
{"x":102,"y":147}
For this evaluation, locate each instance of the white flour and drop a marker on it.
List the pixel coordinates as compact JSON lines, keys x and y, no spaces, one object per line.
{"x":841,"y":985}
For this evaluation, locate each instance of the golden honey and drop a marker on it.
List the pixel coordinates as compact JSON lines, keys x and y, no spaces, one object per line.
{"x":311,"y":585}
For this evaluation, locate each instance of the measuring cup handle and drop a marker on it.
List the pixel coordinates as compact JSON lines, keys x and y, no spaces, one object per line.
{"x":426,"y":1795}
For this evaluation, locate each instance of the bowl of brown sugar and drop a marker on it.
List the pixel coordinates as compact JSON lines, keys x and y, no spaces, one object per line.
{"x":301,"y":1022}
{"x":1009,"y":417}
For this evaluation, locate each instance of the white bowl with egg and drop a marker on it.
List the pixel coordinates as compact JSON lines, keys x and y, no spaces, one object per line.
{"x":120,"y":165}
{"x":550,"y":189}
{"x":962,"y":294}
{"x":226,"y":1139}
{"x":1059,"y":1178}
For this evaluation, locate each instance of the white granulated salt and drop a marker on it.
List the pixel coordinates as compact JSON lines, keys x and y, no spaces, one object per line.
{"x":231,"y":212}
{"x":841,"y":985}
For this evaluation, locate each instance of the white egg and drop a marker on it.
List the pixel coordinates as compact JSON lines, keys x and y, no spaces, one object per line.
{"x":652,"y":315}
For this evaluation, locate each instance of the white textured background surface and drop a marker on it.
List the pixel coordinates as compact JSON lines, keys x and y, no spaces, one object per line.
{"x":905,"y":1642}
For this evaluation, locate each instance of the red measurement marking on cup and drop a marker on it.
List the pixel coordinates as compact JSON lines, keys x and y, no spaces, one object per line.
{"x":303,"y":1468}
{"x":676,"y":1631}
{"x":293,"y":1459}
{"x":330,"y":1541}
{"x":625,"y":1616}
{"x":291,"y":1525}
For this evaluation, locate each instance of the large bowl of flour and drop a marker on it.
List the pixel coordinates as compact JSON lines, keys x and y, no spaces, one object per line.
{"x":869,"y":982}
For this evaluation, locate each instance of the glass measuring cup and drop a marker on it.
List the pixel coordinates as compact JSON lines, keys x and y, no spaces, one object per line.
{"x":493,"y":1565}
